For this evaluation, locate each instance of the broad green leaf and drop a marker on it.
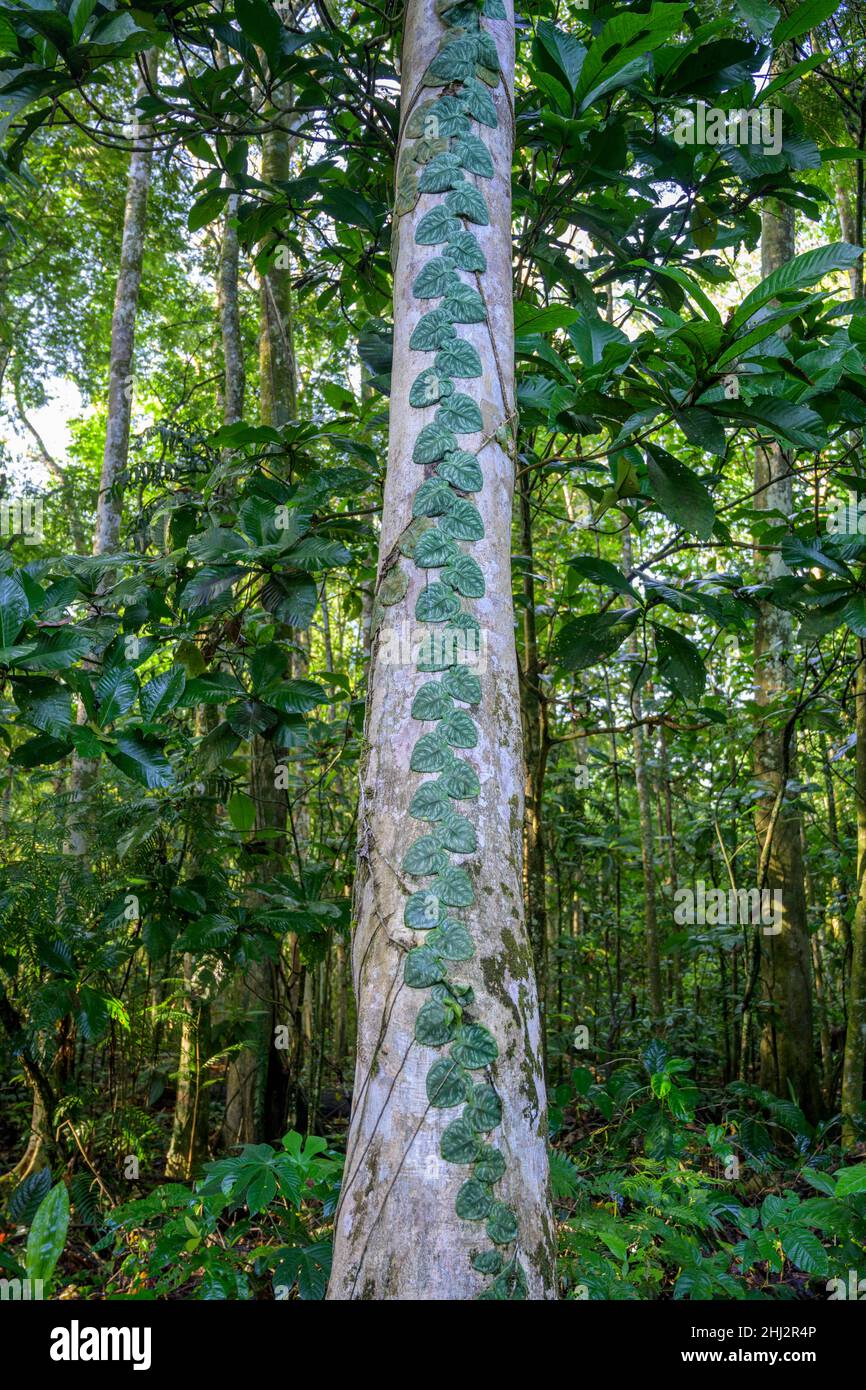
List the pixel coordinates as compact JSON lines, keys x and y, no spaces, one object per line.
{"x":434,"y":1025}
{"x":502,"y":1224}
{"x":142,"y":759}
{"x":453,"y":941}
{"x":680,"y":493}
{"x":680,"y":663}
{"x":464,"y":574}
{"x":475,"y":1047}
{"x":473,"y":1201}
{"x":47,"y":1235}
{"x":453,"y":887}
{"x":801,"y":271}
{"x":423,"y":968}
{"x":584,"y":641}
{"x":425,"y":856}
{"x":459,"y":1143}
{"x":447,"y":1084}
{"x":462,"y":469}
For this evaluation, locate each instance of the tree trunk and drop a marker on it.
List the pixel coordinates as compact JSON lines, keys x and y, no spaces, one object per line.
{"x":411,"y":1149}
{"x":855,"y":1034}
{"x":655,"y":997}
{"x":189,"y":1135}
{"x":787,"y":1044}
{"x":109,"y":505}
{"x":535,"y":746}
{"x":277,"y":370}
{"x":230,"y":322}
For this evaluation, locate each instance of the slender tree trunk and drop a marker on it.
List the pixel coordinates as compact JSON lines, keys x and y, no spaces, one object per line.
{"x":787,"y":1043}
{"x":189,"y":1135}
{"x":234,"y":370}
{"x":277,"y":369}
{"x":855,"y":1034}
{"x":655,"y":997}
{"x":188,"y":1144}
{"x":109,"y":506}
{"x":413,"y":1146}
{"x":821,"y":1001}
{"x":536,"y":747}
{"x":120,"y":381}
{"x":666,"y":823}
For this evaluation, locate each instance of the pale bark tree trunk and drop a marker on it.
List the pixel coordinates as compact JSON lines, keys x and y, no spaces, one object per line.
{"x":787,"y":1043}
{"x":821,"y":999}
{"x":398,"y":1234}
{"x":230,"y":320}
{"x":109,"y":504}
{"x":655,"y":998}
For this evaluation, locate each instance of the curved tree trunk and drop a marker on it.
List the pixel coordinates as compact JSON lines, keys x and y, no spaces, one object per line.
{"x":398,"y":1234}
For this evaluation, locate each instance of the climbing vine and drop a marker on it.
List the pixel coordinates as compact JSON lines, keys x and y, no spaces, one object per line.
{"x":440,"y":151}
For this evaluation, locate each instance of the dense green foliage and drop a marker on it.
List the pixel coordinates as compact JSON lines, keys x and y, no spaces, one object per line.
{"x":147,"y":885}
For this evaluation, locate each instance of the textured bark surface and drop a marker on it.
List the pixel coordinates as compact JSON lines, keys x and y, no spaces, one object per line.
{"x":109,"y":505}
{"x":257,"y":1079}
{"x":855,"y":1035}
{"x":277,"y":370}
{"x":787,"y":1044}
{"x":256,"y":1083}
{"x":398,"y":1236}
{"x":230,"y":321}
{"x":535,"y":748}
{"x":187,"y":1148}
{"x":655,"y":996}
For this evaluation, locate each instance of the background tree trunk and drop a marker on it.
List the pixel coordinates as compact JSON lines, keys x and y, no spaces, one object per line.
{"x":855,"y":1033}
{"x":120,"y":382}
{"x":787,"y":1043}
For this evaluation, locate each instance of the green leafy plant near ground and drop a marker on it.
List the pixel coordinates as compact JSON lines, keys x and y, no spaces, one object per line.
{"x":255,"y":1224}
{"x":654,"y":1199}
{"x":657,"y":1202}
